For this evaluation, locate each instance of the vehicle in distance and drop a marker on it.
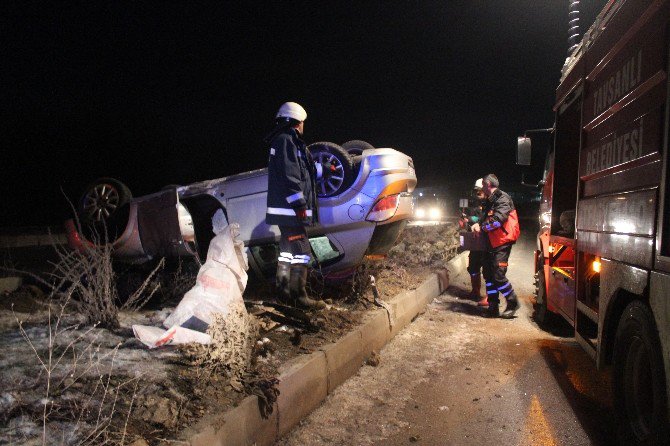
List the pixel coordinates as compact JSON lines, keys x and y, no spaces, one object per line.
{"x":363,"y":208}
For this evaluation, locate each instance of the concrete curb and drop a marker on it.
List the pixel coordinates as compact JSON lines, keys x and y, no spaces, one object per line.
{"x":307,"y":380}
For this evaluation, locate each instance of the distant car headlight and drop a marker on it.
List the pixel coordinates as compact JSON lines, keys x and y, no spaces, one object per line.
{"x":435,"y":213}
{"x":383,"y":209}
{"x":420,"y":213}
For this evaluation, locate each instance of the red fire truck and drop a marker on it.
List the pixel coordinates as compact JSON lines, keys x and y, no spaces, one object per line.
{"x":603,"y":253}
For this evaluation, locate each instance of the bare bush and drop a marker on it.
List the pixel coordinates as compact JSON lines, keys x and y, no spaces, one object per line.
{"x":69,"y":359}
{"x":146,"y":290}
{"x":177,"y":283}
{"x":233,"y":340}
{"x":90,"y":279}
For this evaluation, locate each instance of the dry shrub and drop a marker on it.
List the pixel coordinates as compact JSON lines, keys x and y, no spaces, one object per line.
{"x":178,"y":282}
{"x":233,"y":340}
{"x":234,"y":355}
{"x":83,"y":402}
{"x":89,"y":278}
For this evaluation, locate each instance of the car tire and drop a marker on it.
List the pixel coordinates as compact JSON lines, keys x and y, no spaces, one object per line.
{"x":639,"y":379}
{"x":356,"y":147}
{"x":342,"y":177}
{"x":103,"y":209}
{"x":101,"y":199}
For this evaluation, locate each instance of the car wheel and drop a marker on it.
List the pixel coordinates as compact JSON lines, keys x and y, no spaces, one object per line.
{"x":355,"y":147}
{"x":103,"y":210}
{"x":102,"y":199}
{"x":639,"y":379}
{"x":342,"y":172}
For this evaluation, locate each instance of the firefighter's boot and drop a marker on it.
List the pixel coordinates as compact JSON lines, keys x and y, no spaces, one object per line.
{"x":282,"y":282}
{"x":493,"y":310}
{"x":512,"y":306}
{"x":476,"y":282}
{"x":298,"y":287}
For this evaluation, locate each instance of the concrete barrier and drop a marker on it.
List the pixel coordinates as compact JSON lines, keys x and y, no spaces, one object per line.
{"x":305,"y":381}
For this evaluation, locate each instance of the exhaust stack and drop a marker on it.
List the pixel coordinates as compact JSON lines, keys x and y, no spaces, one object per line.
{"x":573,"y":26}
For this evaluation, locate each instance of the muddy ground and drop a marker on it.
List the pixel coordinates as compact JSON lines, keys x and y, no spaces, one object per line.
{"x":76,"y":383}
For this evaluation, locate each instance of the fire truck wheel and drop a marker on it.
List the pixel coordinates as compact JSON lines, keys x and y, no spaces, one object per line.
{"x":638,"y":379}
{"x":542,"y":315}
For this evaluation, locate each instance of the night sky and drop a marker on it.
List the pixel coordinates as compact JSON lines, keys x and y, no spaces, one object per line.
{"x":157,"y":93}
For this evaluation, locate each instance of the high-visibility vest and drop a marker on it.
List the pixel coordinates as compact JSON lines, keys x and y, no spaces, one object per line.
{"x":507,"y":233}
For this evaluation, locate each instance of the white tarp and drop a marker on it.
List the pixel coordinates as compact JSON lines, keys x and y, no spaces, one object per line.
{"x":218,"y":290}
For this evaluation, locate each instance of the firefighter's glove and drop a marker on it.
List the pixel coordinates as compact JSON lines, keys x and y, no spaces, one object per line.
{"x":301,"y":213}
{"x":490,"y":226}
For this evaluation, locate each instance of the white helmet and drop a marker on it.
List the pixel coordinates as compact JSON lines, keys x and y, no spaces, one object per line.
{"x":479,"y":184}
{"x":291,"y":110}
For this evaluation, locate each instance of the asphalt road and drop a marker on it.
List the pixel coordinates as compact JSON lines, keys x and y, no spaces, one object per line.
{"x":455,"y":378}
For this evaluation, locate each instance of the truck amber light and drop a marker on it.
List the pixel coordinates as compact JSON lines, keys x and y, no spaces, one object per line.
{"x":596,"y":266}
{"x":384,"y":209}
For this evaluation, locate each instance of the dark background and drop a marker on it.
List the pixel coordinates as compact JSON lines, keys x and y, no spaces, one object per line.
{"x":158,"y":93}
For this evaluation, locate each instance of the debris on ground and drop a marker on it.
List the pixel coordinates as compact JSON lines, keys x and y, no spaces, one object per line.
{"x":217,"y":293}
{"x":374,"y":359}
{"x":146,"y":396}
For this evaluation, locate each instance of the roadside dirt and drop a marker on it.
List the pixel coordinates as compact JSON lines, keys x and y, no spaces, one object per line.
{"x":105,"y":386}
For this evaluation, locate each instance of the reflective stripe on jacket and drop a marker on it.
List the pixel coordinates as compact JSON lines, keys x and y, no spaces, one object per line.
{"x":291,"y":186}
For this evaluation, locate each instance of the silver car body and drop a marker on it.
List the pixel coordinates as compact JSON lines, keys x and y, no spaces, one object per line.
{"x":159,"y":226}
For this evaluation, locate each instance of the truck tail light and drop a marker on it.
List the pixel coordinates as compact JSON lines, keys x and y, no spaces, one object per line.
{"x":383,"y":209}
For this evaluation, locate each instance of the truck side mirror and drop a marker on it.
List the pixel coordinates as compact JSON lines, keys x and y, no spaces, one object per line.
{"x":523,"y":150}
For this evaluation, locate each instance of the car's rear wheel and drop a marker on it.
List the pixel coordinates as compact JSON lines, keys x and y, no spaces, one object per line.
{"x":103,"y":209}
{"x":339,"y":176}
{"x":101,"y":199}
{"x":356,"y":147}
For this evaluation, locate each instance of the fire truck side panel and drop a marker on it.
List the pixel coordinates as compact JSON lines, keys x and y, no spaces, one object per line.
{"x":612,"y":20}
{"x":607,"y":198}
{"x":620,"y":162}
{"x":619,"y":226}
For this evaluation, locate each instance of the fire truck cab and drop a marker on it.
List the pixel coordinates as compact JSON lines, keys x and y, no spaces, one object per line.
{"x":603,"y":253}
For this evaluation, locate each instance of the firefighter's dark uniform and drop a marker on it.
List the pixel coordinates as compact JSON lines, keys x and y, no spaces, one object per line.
{"x":474,"y":215}
{"x":291,"y":176}
{"x":501,"y":223}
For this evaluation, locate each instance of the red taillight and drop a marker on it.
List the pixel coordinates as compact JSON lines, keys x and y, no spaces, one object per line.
{"x":386,"y":203}
{"x":74,"y":239}
{"x":383,"y":209}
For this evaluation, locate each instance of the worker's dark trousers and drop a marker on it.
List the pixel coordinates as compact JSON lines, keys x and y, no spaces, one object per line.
{"x":294,"y":250}
{"x":495,"y":270}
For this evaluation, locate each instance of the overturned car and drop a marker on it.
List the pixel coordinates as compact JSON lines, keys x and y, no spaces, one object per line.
{"x":363,"y":208}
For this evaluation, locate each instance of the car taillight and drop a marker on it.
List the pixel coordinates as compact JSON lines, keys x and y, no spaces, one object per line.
{"x":383,"y":209}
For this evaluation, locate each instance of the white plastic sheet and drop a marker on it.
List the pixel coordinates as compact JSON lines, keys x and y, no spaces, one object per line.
{"x":218,"y":290}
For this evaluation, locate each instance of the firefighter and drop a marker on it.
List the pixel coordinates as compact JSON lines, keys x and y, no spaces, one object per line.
{"x":476,"y":258}
{"x":501,"y":224}
{"x":291,"y":203}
